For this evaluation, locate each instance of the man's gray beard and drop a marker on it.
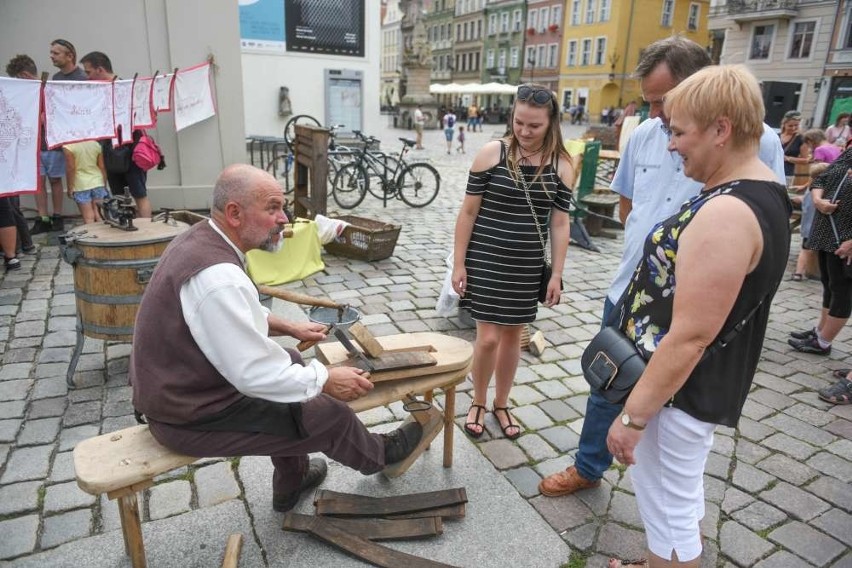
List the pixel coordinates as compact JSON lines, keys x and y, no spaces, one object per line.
{"x":268,"y":246}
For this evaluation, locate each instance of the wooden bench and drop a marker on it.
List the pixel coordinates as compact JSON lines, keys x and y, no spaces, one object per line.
{"x":123,"y":463}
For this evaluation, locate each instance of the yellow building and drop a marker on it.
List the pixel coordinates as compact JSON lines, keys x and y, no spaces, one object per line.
{"x":603,"y":40}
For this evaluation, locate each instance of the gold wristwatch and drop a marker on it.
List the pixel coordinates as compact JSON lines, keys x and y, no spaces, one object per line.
{"x":626,"y":420}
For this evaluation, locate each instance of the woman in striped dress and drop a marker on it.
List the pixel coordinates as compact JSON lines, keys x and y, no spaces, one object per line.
{"x":499,"y":251}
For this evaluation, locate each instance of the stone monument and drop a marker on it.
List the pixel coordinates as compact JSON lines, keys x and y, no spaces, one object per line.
{"x":416,"y":67}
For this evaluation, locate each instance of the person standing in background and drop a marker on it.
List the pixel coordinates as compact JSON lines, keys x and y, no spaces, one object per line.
{"x":419,"y":121}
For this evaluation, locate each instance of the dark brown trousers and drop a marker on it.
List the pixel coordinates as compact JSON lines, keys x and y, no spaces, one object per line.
{"x":332,"y":427}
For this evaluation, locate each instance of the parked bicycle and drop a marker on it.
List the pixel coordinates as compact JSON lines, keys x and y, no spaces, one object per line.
{"x":385,"y":176}
{"x":282,"y":167}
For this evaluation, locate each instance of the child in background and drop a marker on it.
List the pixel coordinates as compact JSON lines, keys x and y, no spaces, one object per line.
{"x":86,"y":177}
{"x":461,"y":140}
{"x":807,"y":257}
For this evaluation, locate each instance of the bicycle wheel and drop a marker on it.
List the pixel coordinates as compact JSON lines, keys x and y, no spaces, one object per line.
{"x":290,"y":127}
{"x":419,"y":184}
{"x":281,"y":168}
{"x":349,"y":186}
{"x":382,"y":166}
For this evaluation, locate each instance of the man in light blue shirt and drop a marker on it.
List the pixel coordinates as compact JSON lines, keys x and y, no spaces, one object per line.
{"x":652,"y":187}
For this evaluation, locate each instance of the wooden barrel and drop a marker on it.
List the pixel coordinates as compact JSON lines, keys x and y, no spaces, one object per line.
{"x":111,"y":269}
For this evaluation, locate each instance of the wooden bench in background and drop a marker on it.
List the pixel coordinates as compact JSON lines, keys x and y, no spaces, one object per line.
{"x":123,"y":463}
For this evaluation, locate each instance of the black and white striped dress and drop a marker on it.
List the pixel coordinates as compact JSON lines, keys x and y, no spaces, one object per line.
{"x":504,"y":256}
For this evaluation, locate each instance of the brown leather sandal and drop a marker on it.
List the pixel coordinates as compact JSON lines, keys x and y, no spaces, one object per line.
{"x":511,"y":423}
{"x":478,"y":420}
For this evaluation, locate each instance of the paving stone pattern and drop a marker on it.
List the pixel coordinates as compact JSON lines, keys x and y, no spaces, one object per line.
{"x":777,"y":487}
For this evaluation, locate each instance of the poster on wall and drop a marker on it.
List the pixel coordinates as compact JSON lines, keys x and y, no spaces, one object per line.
{"x":333,"y":27}
{"x":262,"y":26}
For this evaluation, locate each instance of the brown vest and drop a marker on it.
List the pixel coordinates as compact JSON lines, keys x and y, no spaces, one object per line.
{"x":173,"y":382}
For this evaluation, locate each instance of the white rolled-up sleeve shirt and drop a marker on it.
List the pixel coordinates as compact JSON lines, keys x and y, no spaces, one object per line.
{"x":221,"y":307}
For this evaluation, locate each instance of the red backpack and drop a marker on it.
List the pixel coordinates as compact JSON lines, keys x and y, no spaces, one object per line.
{"x":146,"y":153}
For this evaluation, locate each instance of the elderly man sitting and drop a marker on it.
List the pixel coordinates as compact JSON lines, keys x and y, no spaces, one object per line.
{"x":210,"y":380}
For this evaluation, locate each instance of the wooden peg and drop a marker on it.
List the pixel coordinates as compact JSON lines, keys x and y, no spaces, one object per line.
{"x":44,"y":77}
{"x":365,"y":339}
{"x":537,"y":344}
{"x":232,"y":551}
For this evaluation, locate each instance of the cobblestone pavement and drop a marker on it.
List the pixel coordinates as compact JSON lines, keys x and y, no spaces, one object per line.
{"x":778,"y":489}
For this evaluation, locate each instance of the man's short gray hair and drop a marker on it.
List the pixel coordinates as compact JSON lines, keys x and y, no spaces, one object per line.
{"x":235,"y":184}
{"x":682,"y":56}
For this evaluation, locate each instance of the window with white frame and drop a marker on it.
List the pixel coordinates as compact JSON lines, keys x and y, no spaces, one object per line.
{"x":847,"y":40}
{"x":501,"y":60}
{"x":530,"y":60}
{"x":761,"y":41}
{"x":802,"y":41}
{"x":489,"y":58}
{"x":600,"y":51}
{"x":605,"y":9}
{"x":692,"y":19}
{"x":571,"y":56}
{"x":540,"y":56}
{"x":532,"y":19}
{"x":543,"y":19}
{"x":513,"y":57}
{"x":492,"y":24}
{"x":590,"y":11}
{"x":458,"y":32}
{"x":575,"y":12}
{"x":586,"y":52}
{"x":556,"y":15}
{"x":517,"y":20}
{"x":504,"y":22}
{"x":552,"y":58}
{"x":668,"y":13}
{"x":479,"y":29}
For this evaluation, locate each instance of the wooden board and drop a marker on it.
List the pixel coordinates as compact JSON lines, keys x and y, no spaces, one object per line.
{"x":120,"y":459}
{"x":387,"y":363}
{"x":450,"y":353}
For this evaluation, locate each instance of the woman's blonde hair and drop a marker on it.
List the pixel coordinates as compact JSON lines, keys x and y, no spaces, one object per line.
{"x":721,"y":91}
{"x":817,"y":169}
{"x":814,"y":136}
{"x":552,"y":147}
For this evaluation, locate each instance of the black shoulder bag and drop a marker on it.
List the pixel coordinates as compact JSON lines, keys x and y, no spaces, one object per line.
{"x":612,"y":365}
{"x":546,"y":269}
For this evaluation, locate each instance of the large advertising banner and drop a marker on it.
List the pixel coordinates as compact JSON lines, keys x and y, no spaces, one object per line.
{"x":262,"y":26}
{"x":333,"y":27}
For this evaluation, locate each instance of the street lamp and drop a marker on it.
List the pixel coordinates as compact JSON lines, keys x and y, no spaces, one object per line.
{"x":531,"y":63}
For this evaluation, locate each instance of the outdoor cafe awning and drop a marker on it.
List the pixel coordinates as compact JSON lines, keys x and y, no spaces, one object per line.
{"x":472,"y":89}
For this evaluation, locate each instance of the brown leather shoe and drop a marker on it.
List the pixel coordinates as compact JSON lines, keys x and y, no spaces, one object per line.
{"x":565,"y":483}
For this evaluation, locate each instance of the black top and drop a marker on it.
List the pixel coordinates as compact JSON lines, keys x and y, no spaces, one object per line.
{"x":792,"y":148}
{"x":716,"y":389}
{"x":822,"y":235}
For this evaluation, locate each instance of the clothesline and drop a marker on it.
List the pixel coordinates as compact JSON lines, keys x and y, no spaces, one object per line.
{"x":76,"y":111}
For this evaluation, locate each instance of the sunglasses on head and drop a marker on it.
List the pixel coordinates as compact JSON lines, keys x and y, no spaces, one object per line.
{"x":539,"y":96}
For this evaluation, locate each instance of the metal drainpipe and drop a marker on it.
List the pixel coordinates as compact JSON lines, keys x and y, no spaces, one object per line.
{"x":626,"y":55}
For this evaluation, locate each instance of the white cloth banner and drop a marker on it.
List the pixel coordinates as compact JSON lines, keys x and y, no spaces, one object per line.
{"x":122,"y":96}
{"x":193,"y":96}
{"x":77,"y":110}
{"x":19,"y":137}
{"x":162,"y":97}
{"x":143,"y":116}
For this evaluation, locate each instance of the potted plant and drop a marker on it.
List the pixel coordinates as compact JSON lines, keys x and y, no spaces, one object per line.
{"x":553,"y":27}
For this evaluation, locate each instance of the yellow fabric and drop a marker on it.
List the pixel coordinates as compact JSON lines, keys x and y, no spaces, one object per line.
{"x":87,"y":174}
{"x":299,"y":258}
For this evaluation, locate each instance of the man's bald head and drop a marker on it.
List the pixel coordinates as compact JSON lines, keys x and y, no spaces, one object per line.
{"x":237,"y":183}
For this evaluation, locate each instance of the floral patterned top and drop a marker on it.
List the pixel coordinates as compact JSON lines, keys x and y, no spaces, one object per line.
{"x":715,"y":390}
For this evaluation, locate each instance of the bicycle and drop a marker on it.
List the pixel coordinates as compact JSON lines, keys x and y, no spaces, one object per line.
{"x":282,"y":167}
{"x":416,"y":184}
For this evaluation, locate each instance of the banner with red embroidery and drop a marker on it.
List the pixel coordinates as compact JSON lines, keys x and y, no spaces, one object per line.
{"x":122,"y":97}
{"x":19,"y":135}
{"x":162,"y":96}
{"x":77,"y":110}
{"x":193,"y":97}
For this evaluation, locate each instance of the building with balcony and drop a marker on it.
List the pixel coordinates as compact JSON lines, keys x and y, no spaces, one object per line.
{"x":603,"y":39}
{"x":502,"y":47}
{"x":834,"y":88}
{"x":439,"y":29}
{"x":391,"y":60}
{"x":785,"y":44}
{"x":468,"y":33}
{"x":543,"y":42}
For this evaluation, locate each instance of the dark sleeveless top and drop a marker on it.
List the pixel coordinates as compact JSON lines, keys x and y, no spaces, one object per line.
{"x":716,"y":389}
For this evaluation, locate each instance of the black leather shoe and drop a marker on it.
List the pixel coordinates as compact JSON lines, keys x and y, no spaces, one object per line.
{"x":809,"y":345}
{"x":317,"y":470}
{"x":401,"y":442}
{"x":803,"y":334}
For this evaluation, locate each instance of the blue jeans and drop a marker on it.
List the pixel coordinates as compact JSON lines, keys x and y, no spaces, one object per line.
{"x":593,"y":457}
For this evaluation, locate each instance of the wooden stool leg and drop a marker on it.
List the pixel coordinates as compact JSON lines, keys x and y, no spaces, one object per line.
{"x":131,"y":528}
{"x":429,"y":396}
{"x":449,"y":412}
